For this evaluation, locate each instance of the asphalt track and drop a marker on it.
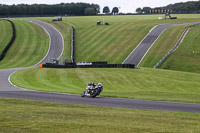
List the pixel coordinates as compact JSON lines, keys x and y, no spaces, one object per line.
{"x":8,"y":90}
{"x":137,"y":55}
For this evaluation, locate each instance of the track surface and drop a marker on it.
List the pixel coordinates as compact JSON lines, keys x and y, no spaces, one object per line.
{"x":141,"y":50}
{"x":9,"y":91}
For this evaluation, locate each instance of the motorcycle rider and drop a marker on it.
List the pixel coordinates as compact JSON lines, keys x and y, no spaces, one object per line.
{"x":90,"y":86}
{"x":94,"y":86}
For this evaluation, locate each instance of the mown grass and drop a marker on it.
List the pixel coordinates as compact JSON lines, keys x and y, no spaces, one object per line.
{"x":30,"y":46}
{"x":149,"y":84}
{"x":5,"y":34}
{"x":102,"y":43}
{"x":31,"y":116}
{"x":111,"y":43}
{"x":187,"y":56}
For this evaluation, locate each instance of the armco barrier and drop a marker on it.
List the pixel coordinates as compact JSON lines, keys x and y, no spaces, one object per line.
{"x":176,"y":46}
{"x":11,"y":41}
{"x":76,"y":65}
{"x":72,"y":45}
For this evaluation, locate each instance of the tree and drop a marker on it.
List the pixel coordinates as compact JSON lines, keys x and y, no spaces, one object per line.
{"x":139,"y":10}
{"x":96,"y":8}
{"x":106,"y":10}
{"x":115,"y":10}
{"x":146,"y":9}
{"x":89,"y":11}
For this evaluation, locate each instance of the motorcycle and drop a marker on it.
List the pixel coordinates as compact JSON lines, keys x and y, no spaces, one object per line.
{"x":92,"y":90}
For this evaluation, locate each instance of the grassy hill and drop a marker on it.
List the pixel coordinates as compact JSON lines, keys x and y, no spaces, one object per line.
{"x":5,"y":34}
{"x":30,"y":46}
{"x":115,"y":42}
{"x":112,"y":43}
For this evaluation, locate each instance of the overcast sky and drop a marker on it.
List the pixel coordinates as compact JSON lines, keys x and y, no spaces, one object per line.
{"x":126,"y":5}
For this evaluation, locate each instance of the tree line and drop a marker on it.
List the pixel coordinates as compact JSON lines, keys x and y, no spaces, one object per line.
{"x":179,"y":8}
{"x":44,"y":9}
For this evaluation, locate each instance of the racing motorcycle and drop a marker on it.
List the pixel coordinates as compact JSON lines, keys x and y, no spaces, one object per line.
{"x":93,"y":90}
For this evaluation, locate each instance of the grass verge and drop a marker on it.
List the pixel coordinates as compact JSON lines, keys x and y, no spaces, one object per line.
{"x":143,"y":83}
{"x":31,"y":116}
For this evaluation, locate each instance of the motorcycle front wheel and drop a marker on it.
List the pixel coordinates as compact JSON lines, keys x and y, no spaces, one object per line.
{"x":94,"y":93}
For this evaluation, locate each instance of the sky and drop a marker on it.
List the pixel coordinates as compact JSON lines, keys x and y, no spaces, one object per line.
{"x":126,"y":6}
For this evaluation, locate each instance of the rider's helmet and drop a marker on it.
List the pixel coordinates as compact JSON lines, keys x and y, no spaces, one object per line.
{"x":100,"y":84}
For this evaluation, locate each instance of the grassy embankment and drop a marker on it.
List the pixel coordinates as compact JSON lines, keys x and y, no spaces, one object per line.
{"x":5,"y":34}
{"x":140,"y":83}
{"x":185,"y":58}
{"x":30,"y":46}
{"x":31,"y":116}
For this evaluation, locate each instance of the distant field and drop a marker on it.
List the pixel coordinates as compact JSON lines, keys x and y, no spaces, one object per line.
{"x":111,"y":43}
{"x":35,"y":116}
{"x":143,"y":83}
{"x":30,"y":46}
{"x":5,"y":34}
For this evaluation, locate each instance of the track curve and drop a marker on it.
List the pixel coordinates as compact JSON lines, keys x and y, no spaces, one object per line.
{"x":56,"y":47}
